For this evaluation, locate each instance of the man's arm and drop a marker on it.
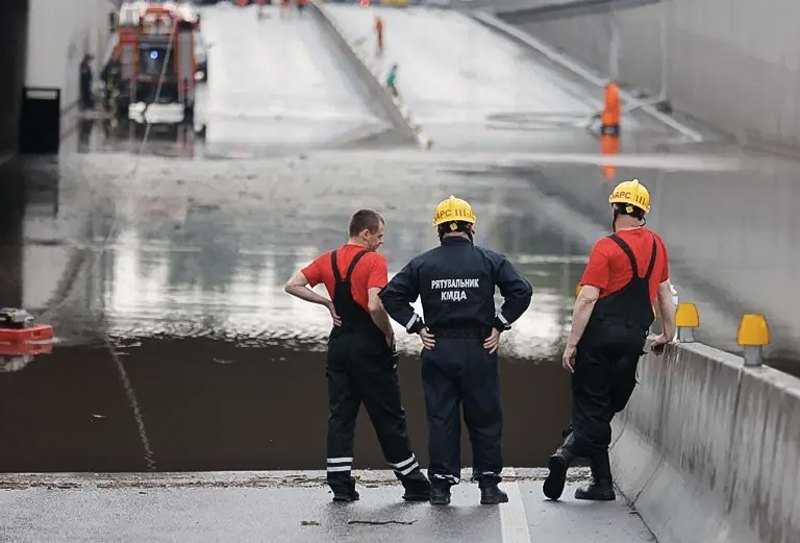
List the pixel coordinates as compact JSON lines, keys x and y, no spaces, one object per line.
{"x":297,"y":286}
{"x":397,"y":297}
{"x":516,"y":292}
{"x":581,"y":312}
{"x":379,"y":316}
{"x":667,"y":309}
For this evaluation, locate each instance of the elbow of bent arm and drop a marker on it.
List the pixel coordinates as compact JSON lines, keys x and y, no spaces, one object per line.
{"x":528,"y":293}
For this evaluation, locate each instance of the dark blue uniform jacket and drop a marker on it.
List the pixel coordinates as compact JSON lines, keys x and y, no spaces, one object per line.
{"x":456,"y":282}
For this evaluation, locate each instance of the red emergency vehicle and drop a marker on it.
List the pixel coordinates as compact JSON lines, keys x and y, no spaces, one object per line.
{"x":155,"y":53}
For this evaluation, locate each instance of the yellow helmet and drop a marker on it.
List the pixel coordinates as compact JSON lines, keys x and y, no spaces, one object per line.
{"x":453,"y":209}
{"x":633,"y":193}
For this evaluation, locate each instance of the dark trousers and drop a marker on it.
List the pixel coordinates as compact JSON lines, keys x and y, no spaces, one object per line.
{"x":460,"y":371}
{"x":361,"y":369}
{"x":604,"y":379}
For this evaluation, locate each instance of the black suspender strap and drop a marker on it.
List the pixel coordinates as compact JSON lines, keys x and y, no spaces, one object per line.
{"x":353,"y":264}
{"x":336,"y":276}
{"x":652,"y":260}
{"x":627,"y":250}
{"x":335,"y":266}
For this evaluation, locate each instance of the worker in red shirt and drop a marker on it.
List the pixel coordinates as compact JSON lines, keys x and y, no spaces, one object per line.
{"x":379,"y":33}
{"x":361,"y":356}
{"x":627,"y":274}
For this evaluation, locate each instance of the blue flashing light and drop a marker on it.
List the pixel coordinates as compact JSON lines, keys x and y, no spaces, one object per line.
{"x":154,"y":54}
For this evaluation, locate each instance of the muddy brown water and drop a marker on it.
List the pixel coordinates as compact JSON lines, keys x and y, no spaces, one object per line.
{"x":200,"y":404}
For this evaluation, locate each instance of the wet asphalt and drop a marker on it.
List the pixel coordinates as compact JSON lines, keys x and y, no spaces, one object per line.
{"x":161,"y":265}
{"x":286,"y":506}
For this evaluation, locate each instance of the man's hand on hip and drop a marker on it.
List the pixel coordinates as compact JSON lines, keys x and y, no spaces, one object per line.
{"x":492,"y":343}
{"x":337,"y":320}
{"x":428,"y":339}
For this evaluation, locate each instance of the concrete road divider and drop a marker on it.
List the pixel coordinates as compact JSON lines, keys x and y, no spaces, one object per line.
{"x":709,"y":450}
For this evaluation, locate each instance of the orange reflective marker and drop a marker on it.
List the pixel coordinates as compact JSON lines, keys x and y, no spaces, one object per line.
{"x":609,"y":145}
{"x":611,"y":112}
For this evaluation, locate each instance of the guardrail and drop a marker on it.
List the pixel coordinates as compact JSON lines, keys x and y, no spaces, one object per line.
{"x":708,"y":449}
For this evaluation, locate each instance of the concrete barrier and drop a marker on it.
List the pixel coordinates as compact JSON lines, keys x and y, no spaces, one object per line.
{"x":708,"y":450}
{"x":376,"y":93}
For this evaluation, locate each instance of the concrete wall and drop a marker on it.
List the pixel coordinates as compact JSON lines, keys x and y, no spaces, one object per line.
{"x":708,"y":450}
{"x":13,"y":29}
{"x":59,"y":35}
{"x":731,"y":63}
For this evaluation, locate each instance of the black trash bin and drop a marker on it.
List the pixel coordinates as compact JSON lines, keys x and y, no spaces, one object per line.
{"x":40,"y":120}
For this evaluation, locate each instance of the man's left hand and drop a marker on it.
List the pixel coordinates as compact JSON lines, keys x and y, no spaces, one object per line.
{"x":492,"y":342}
{"x":568,"y":358}
{"x":659,"y":342}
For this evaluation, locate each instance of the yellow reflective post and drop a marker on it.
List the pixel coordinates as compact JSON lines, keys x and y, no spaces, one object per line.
{"x":753,"y":335}
{"x":687,"y":318}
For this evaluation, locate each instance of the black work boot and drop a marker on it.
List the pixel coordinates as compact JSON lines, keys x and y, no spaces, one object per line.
{"x":440,"y":493}
{"x":490,"y":492}
{"x":344,"y":491}
{"x":558,"y":464}
{"x":418,"y":489}
{"x":601,"y":488}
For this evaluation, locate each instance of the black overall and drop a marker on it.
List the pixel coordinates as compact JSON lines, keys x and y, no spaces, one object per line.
{"x":607,"y":356}
{"x":361,"y":368}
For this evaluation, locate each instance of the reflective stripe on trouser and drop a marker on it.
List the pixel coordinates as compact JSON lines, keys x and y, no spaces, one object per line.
{"x":460,"y":371}
{"x":604,"y":379}
{"x":361,"y":369}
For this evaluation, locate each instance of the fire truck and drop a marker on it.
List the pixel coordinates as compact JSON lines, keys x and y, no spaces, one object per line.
{"x":154,"y":64}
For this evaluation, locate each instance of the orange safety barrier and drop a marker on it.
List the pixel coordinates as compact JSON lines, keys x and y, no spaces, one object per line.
{"x":611,"y":112}
{"x":15,"y":336}
{"x":22,"y":349}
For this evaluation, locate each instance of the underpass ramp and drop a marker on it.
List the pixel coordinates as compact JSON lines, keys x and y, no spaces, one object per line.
{"x":277,"y":81}
{"x":467,"y":85}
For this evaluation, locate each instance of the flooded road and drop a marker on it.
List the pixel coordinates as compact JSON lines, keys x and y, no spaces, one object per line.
{"x":161,"y":265}
{"x":178,"y":348}
{"x":201,"y":404}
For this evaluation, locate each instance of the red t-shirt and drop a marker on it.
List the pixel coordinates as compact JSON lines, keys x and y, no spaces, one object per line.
{"x":609,"y":268}
{"x":370,"y":272}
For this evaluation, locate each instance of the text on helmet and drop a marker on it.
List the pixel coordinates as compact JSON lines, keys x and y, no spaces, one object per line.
{"x":627,"y":195}
{"x":454,"y":214}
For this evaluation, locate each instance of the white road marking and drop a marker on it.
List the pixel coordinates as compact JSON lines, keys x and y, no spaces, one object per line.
{"x":513,"y":519}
